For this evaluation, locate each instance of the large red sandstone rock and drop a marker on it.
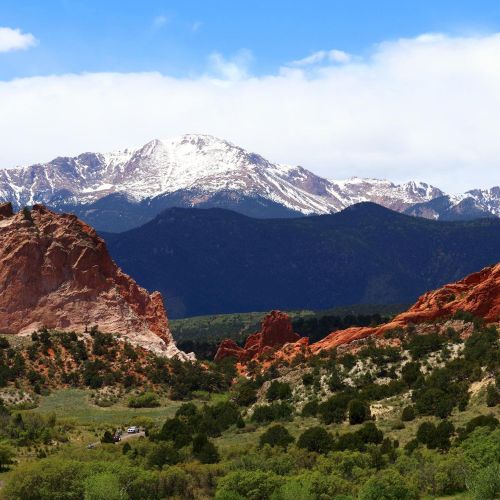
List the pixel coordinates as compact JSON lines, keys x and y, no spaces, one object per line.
{"x":56,"y":272}
{"x":478,"y":294}
{"x":276,"y":331}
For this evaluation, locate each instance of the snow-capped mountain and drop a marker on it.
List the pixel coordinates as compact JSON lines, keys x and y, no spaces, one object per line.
{"x":195,"y":162}
{"x":470,"y":205}
{"x":125,"y":188}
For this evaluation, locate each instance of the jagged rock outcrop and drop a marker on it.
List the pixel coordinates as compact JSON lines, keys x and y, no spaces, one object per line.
{"x":477,"y":294}
{"x":56,"y":272}
{"x":276,"y":331}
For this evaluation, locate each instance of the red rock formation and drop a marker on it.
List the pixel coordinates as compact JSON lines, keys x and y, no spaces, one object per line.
{"x":56,"y":272}
{"x":276,"y":331}
{"x":478,"y":294}
{"x":6,"y":210}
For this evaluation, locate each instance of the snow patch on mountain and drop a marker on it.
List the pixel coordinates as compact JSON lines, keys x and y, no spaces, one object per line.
{"x":201,"y":166}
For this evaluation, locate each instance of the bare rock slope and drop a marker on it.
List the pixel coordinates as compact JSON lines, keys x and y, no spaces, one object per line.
{"x":56,"y":272}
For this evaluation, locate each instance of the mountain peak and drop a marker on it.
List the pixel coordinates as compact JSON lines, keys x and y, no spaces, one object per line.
{"x":204,"y":170}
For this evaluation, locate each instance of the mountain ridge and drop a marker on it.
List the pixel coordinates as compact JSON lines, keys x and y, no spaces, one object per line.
{"x":135,"y":184}
{"x":216,"y":261}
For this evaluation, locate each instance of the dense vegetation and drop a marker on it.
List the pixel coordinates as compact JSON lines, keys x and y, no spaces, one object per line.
{"x":216,"y":261}
{"x":412,"y":415}
{"x":98,"y":361}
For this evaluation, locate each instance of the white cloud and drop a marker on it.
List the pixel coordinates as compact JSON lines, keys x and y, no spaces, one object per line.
{"x":233,"y":69}
{"x":14,"y":39}
{"x":159,"y":22}
{"x":426,"y":108}
{"x":322,"y":56}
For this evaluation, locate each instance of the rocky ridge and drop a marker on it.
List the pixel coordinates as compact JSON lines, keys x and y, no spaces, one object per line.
{"x":477,"y":294}
{"x":123,"y":189}
{"x":55,"y":272}
{"x":275,"y":332}
{"x":197,"y":168}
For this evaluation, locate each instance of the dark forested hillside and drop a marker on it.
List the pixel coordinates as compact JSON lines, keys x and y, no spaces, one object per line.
{"x":218,"y":261}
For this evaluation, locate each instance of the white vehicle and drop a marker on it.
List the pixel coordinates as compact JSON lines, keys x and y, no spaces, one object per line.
{"x":133,"y":430}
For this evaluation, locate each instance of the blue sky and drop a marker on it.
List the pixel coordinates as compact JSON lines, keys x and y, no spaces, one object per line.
{"x":176,"y":37}
{"x":404,"y":90}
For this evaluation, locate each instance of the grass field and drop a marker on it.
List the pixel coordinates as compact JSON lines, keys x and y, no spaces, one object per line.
{"x":75,"y":405}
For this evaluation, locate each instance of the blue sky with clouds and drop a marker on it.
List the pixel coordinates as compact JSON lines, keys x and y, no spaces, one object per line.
{"x":177,"y":37}
{"x":395,"y":89}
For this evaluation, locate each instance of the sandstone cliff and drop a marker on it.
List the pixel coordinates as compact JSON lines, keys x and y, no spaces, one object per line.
{"x":56,"y":272}
{"x":477,"y":294}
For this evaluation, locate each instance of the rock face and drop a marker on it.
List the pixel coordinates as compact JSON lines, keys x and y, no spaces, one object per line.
{"x":276,"y":331}
{"x":56,"y":272}
{"x":478,"y":294}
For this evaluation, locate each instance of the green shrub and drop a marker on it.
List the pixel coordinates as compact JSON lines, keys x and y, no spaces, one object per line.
{"x":310,"y":409}
{"x":269,"y":413}
{"x":435,"y":436}
{"x":358,"y":411}
{"x":107,"y":437}
{"x":144,"y":400}
{"x":245,"y":393}
{"x":351,"y":441}
{"x":421,"y":345}
{"x":248,"y":485}
{"x":370,"y":433}
{"x":162,"y":454}
{"x":388,"y":485}
{"x":278,"y":390}
{"x":204,"y":450}
{"x":173,"y":483}
{"x":316,"y":439}
{"x":335,"y":380}
{"x":492,"y":395}
{"x":485,"y":483}
{"x":276,"y":435}
{"x":177,"y":431}
{"x":481,"y":448}
{"x":334,"y":409}
{"x":103,"y":486}
{"x":408,"y":414}
{"x":410,"y":373}
{"x":483,"y":347}
{"x":49,"y":478}
{"x":489,"y":421}
{"x":7,"y":454}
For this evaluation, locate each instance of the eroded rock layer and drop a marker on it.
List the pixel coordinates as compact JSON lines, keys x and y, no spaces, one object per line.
{"x":276,"y":331}
{"x":56,"y":272}
{"x":478,"y":294}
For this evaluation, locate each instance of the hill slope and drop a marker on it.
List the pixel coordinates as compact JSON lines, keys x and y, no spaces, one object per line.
{"x":217,"y":261}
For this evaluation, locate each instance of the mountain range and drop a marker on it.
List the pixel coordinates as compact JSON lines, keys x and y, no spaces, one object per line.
{"x":218,"y":261}
{"x":124,"y":189}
